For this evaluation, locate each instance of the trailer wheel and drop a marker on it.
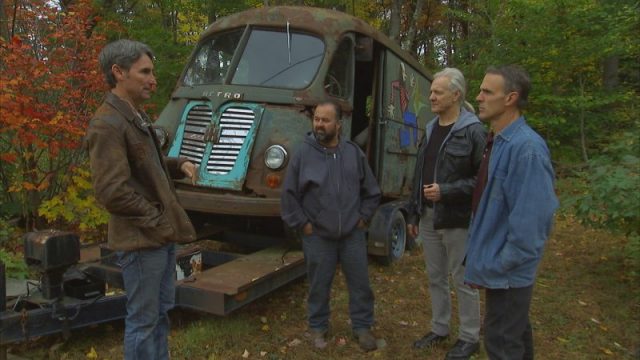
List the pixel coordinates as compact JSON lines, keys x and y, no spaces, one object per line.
{"x":397,"y":236}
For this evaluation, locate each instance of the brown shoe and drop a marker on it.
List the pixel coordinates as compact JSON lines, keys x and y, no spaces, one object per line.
{"x":366,"y":340}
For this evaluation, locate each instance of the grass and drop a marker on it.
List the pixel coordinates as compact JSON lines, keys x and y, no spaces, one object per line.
{"x":585,"y":306}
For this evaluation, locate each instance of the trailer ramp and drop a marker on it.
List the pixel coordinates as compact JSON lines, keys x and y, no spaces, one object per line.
{"x":221,"y":288}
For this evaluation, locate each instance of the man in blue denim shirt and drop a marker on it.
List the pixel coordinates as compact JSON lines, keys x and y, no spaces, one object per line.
{"x":515,"y":206}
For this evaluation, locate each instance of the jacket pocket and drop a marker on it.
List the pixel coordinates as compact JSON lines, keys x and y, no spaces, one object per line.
{"x":163,"y":233}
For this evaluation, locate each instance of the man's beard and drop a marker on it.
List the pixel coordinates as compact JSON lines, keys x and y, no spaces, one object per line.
{"x":323,"y":136}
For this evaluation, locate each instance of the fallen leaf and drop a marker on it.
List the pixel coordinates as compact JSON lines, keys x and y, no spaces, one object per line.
{"x":562,"y":340}
{"x":265,"y":328}
{"x":263,"y":319}
{"x":263,"y":353}
{"x":595,"y":321}
{"x":92,"y":354}
{"x":245,"y":354}
{"x":404,"y":323}
{"x":340,"y":341}
{"x":294,"y":342}
{"x":606,"y":351}
{"x":582,"y":303}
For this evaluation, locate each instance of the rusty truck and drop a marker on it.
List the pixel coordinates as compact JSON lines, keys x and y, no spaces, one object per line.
{"x":243,"y":103}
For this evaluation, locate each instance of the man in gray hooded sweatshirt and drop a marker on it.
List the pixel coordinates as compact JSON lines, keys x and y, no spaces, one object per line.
{"x":329,"y":195}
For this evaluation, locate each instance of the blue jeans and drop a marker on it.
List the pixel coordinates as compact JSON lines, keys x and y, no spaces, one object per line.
{"x":321,"y":257}
{"x":149,"y":277}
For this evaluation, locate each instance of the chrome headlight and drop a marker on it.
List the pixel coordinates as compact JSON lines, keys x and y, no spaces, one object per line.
{"x":275,"y":157}
{"x":161,"y":135}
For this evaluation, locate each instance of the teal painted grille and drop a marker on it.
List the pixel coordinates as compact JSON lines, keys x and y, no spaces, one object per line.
{"x":235,"y":124}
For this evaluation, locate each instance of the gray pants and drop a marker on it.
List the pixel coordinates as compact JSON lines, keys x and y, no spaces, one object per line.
{"x":444,"y":252}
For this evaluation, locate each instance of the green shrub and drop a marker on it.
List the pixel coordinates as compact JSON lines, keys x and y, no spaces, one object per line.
{"x":10,"y":254}
{"x":75,"y":208}
{"x":606,"y":193}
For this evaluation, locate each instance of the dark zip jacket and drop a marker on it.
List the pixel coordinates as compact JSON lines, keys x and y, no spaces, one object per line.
{"x":455,"y":172}
{"x":330,"y":188}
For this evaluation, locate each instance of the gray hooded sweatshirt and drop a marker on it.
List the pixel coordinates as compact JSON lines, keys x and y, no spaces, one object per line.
{"x":332,"y":188}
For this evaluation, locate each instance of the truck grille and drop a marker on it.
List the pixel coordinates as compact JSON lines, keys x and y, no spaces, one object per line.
{"x":235,"y":124}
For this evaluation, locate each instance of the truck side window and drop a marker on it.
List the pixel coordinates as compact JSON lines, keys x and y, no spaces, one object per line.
{"x":338,"y":80}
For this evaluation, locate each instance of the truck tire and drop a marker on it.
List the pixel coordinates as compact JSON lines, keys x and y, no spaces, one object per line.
{"x":397,"y":237}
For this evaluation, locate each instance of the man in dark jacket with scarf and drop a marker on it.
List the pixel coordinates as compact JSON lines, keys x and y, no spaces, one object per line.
{"x":329,"y":195}
{"x":446,"y":167}
{"x":132,"y":181}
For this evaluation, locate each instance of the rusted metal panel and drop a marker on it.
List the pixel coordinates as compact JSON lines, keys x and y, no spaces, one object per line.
{"x":404,"y":114}
{"x":316,"y":20}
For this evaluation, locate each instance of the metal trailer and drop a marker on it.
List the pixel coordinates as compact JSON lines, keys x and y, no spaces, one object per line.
{"x":76,"y":286}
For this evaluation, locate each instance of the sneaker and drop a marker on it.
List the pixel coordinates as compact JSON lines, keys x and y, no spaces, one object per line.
{"x":462,"y":350}
{"x":318,"y":339}
{"x":366,"y":340}
{"x":429,"y":340}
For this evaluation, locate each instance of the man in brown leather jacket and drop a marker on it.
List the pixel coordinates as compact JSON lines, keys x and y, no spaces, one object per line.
{"x":132,"y":180}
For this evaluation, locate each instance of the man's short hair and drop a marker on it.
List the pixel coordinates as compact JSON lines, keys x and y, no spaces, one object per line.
{"x":123,"y":53}
{"x":456,"y":81}
{"x":516,"y":79}
{"x":336,"y":108}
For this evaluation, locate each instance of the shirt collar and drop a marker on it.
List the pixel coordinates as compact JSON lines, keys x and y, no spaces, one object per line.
{"x":508,"y":132}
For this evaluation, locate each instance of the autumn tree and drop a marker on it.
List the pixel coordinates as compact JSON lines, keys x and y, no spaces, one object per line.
{"x":51,"y":86}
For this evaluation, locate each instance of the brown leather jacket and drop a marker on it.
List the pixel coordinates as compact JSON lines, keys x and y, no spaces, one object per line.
{"x":132,"y":180}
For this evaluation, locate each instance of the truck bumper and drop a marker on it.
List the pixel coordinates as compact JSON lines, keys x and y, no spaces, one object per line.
{"x":228,"y":204}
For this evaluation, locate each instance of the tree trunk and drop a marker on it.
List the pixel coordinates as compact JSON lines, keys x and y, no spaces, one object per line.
{"x":394,"y":26}
{"x":610,"y":73}
{"x":413,"y":28}
{"x":583,"y":136}
{"x":4,"y":22}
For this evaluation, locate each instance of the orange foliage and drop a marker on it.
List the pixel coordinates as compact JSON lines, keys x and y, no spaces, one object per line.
{"x":50,"y":85}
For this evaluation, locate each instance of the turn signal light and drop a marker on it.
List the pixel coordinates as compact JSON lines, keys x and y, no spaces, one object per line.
{"x":273,"y":181}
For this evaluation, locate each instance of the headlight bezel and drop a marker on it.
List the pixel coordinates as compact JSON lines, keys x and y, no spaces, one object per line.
{"x":276,"y":157}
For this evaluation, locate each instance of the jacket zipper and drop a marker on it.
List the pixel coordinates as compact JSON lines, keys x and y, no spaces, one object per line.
{"x":338,"y":197}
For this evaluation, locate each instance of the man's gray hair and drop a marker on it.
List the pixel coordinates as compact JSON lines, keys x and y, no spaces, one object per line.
{"x":123,"y":53}
{"x":456,"y":81}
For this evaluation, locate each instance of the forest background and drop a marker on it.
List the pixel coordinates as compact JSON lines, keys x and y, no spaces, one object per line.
{"x":583,"y":57}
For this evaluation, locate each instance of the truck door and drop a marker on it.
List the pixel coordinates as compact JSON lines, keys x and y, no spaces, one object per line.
{"x":402,"y":113}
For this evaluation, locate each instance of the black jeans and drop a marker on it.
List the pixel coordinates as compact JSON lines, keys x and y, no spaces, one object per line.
{"x":508,"y":334}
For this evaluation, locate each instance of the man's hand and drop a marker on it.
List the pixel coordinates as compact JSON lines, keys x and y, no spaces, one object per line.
{"x":431,"y":192}
{"x":307,"y":229}
{"x":412,"y":230}
{"x":362,"y":224}
{"x":190,"y":170}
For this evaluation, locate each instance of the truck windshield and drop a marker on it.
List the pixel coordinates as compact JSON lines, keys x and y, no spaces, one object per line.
{"x":281,"y":59}
{"x":213,"y":59}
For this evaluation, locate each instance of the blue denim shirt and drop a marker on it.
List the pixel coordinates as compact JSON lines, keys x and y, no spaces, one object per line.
{"x":515,"y":213}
